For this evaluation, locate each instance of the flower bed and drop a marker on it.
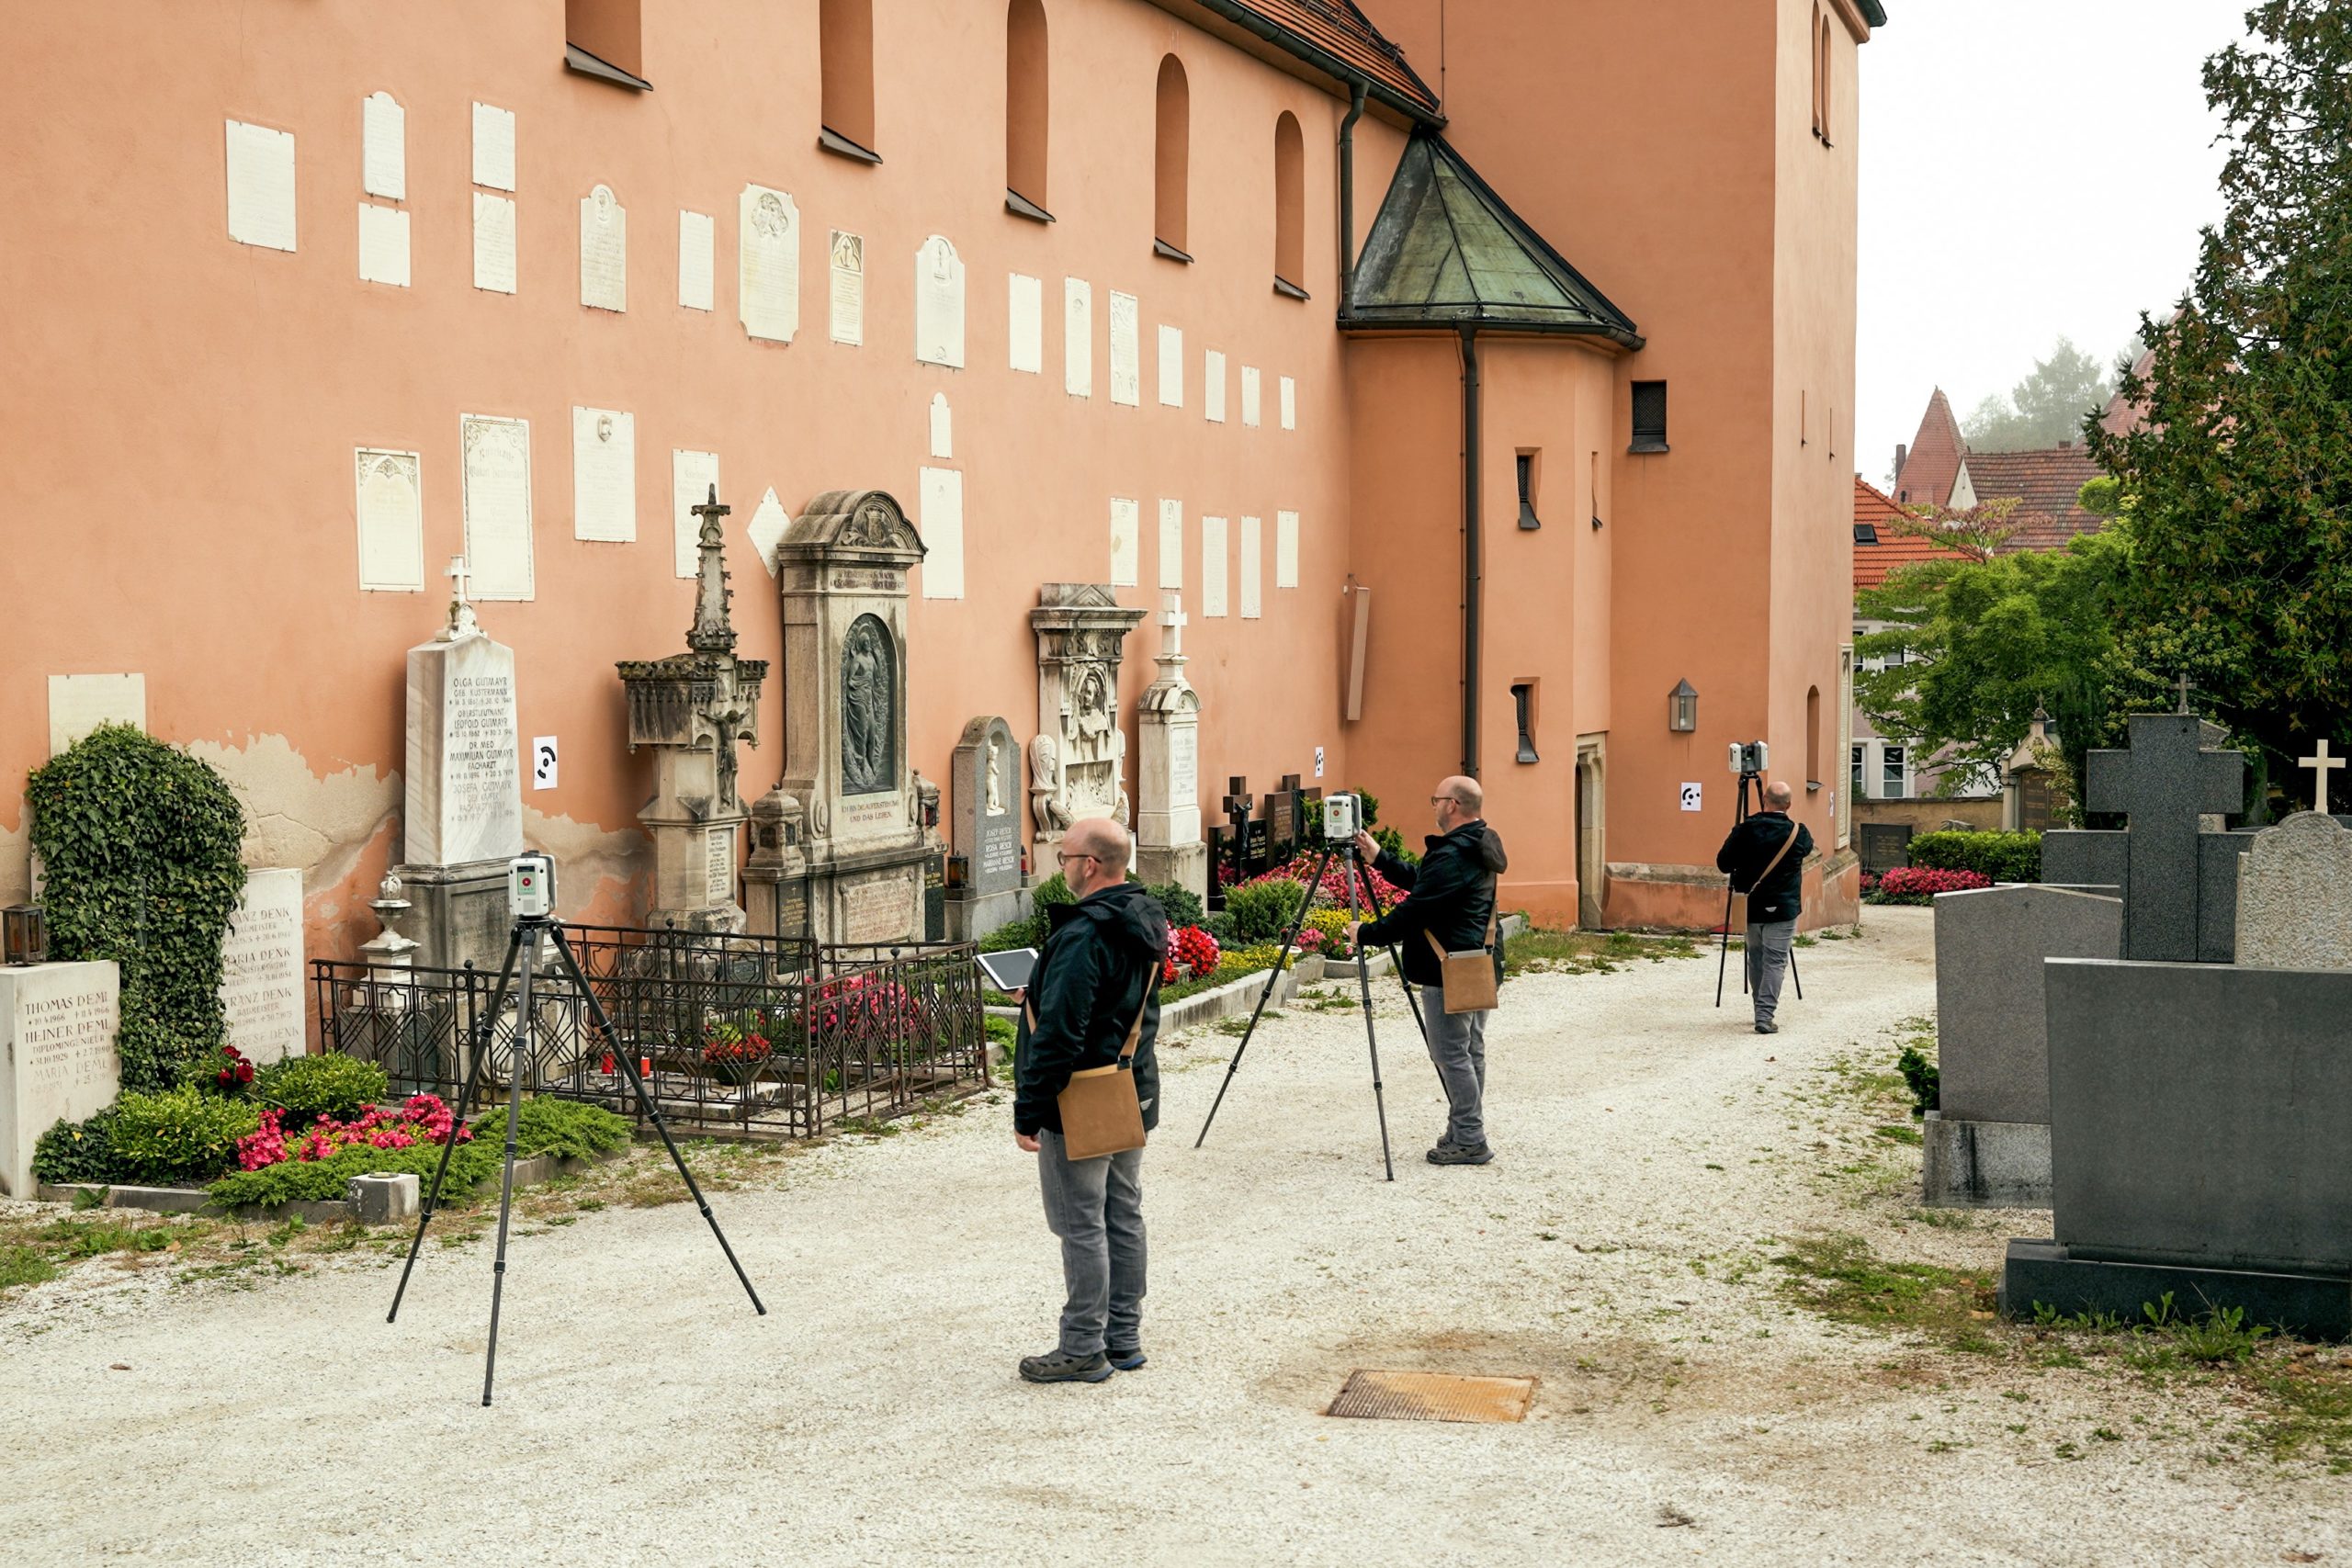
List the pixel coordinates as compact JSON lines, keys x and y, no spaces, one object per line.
{"x":1917,"y":885}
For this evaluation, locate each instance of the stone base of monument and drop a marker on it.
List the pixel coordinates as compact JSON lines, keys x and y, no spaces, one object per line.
{"x":969,"y":919}
{"x":726,"y":919}
{"x":459,"y":914}
{"x":1985,"y":1164}
{"x":1187,"y":865}
{"x":2043,"y":1273}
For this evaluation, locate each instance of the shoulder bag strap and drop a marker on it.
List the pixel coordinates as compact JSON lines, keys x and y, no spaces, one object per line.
{"x":1777,"y":856}
{"x":1135,"y":1030}
{"x":1494,"y":915}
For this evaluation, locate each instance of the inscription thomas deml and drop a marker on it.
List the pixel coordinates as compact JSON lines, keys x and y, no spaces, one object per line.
{"x":68,"y":1040}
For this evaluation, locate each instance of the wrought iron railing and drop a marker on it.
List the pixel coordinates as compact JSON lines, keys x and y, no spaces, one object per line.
{"x":735,"y":1035}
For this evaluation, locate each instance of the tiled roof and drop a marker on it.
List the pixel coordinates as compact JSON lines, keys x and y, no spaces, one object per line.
{"x":1934,"y":464}
{"x":1336,"y":30}
{"x":2046,"y":485}
{"x":1895,"y":547}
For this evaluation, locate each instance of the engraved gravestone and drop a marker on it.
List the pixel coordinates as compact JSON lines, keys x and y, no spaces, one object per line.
{"x":2295,"y":896}
{"x":985,"y":834}
{"x":261,"y":969}
{"x":57,"y":1056}
{"x":1079,"y":760}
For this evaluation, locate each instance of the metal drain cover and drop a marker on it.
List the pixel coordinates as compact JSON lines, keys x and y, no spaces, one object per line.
{"x":1433,"y":1397}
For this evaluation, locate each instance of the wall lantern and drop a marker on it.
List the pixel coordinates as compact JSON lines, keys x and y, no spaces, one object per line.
{"x":1682,"y":708}
{"x":24,"y":935}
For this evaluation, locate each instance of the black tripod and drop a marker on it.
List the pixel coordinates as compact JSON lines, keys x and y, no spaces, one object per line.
{"x":1723,"y":953}
{"x":1352,"y":870}
{"x":524,"y":945}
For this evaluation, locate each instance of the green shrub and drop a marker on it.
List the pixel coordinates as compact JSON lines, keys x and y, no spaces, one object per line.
{"x":1177,"y":902}
{"x":325,"y":1180}
{"x":179,"y":1136}
{"x":1924,"y":1078}
{"x":2003,"y":857}
{"x":1261,"y":911}
{"x":80,"y":1151}
{"x":1220,"y":926}
{"x":564,"y":1128}
{"x":1013,"y":937}
{"x":310,"y":1086}
{"x":1054,"y":890}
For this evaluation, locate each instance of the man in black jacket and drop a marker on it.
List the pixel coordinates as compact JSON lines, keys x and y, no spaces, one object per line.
{"x":1098,"y":972}
{"x":1774,"y":889}
{"x":1449,"y":903}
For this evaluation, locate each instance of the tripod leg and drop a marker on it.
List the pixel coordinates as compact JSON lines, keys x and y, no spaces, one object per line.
{"x":1371,"y":1038}
{"x":1794,"y":975}
{"x":1372,"y":901}
{"x":627,"y":1061}
{"x":1723,"y":949}
{"x":530,"y":939}
{"x":483,"y":1028}
{"x":1273,"y":977}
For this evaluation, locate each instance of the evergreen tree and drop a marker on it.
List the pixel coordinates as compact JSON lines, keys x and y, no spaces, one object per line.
{"x":2045,"y":408}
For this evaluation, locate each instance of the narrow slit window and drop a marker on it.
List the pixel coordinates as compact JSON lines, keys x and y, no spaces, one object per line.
{"x":1526,"y":464}
{"x":1649,"y":417}
{"x":1815,"y":34}
{"x":1172,"y":164}
{"x":1523,"y":696}
{"x":1026,"y":109}
{"x":1290,"y":207}
{"x":1827,"y":102}
{"x":846,"y":76}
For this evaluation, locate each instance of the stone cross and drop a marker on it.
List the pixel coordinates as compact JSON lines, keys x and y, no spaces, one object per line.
{"x":1172,"y":621}
{"x":2321,"y":765}
{"x":2185,"y":689}
{"x":1237,"y":801}
{"x":461,"y":610}
{"x":2163,"y":784}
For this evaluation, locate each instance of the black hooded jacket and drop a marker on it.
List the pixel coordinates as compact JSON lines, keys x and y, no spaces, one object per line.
{"x":1450,"y":896}
{"x":1101,"y":963}
{"x":1750,"y":848}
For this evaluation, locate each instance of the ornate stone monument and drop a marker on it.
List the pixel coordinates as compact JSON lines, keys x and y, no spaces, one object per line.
{"x":984,"y":877}
{"x":1168,"y":829}
{"x":691,"y":708}
{"x":846,"y":859}
{"x":462,"y":817}
{"x":1077,"y":762}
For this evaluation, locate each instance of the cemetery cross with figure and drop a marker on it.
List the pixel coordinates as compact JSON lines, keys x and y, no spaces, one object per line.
{"x":1237,"y":804}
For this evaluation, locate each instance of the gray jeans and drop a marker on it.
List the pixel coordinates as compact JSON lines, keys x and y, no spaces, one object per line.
{"x":1096,"y":1207}
{"x":1458,"y":1048}
{"x":1767,"y":961}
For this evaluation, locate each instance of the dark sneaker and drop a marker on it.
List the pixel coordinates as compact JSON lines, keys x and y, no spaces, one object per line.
{"x":1127,"y":1360}
{"x":1767,"y":1027}
{"x":1059,"y":1366}
{"x":1447,"y":1154}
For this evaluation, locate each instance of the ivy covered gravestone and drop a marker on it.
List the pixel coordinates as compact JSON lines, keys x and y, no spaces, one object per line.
{"x":139,"y":845}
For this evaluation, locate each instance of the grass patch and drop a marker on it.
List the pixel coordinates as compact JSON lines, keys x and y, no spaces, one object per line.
{"x":1590,"y":952}
{"x":1840,"y":1278}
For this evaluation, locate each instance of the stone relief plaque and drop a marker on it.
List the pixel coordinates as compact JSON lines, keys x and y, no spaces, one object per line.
{"x":939,"y":304}
{"x":768,"y":263}
{"x":1078,"y":337}
{"x":869,"y":708}
{"x":391,"y":521}
{"x":497,"y":504}
{"x":604,"y":474}
{"x":603,"y":250}
{"x":848,"y":288}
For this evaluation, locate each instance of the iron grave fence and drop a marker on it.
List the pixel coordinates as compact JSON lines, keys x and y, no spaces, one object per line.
{"x":736,"y":1036}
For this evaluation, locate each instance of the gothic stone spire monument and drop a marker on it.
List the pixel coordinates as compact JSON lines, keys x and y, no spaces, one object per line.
{"x":691,"y":708}
{"x":1168,"y":783}
{"x":1077,"y":762}
{"x":847,"y":862}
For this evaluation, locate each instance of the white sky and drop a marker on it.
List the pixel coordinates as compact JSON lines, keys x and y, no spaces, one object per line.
{"x":2028,"y":169}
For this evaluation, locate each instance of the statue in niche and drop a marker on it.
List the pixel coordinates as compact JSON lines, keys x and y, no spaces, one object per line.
{"x":867,"y":709}
{"x":996,"y":775}
{"x":1045,"y":785}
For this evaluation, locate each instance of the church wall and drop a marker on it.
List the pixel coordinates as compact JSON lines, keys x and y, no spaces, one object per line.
{"x":183,"y":409}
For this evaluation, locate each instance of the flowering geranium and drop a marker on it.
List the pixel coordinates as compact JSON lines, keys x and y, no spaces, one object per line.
{"x":735,"y":1052}
{"x":425,"y":1119}
{"x":1194,"y":949}
{"x":1917,"y":885}
{"x":236,"y":1074}
{"x":867,"y":1007}
{"x":1334,"y":886}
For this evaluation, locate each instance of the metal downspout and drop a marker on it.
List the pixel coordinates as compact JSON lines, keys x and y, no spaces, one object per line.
{"x":1472,"y":448}
{"x":1348,"y":196}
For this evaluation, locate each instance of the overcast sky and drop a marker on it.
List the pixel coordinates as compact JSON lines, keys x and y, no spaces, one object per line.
{"x":2028,"y":169}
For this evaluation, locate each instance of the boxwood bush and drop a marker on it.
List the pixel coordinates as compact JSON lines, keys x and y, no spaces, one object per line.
{"x":2003,"y":857}
{"x":565,"y":1128}
{"x":179,"y":1136}
{"x":308,"y":1087}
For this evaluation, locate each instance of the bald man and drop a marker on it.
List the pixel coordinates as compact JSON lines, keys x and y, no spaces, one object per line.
{"x":1765,"y":857}
{"x":1097,"y":975}
{"x":1450,"y":904}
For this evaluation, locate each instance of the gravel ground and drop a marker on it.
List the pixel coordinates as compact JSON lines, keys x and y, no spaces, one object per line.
{"x":1651,"y":1152}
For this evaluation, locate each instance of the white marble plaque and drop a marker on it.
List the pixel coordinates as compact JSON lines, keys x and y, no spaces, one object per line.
{"x":1212,"y":386}
{"x":494,"y":243}
{"x":1290,"y":404}
{"x":942,"y":527}
{"x":383,"y":244}
{"x":848,"y":288}
{"x":1285,"y":549}
{"x":1250,"y":386}
{"x":497,"y":502}
{"x":1126,"y":542}
{"x":493,"y":147}
{"x":1078,"y":337}
{"x":463,"y":793}
{"x":57,"y":1056}
{"x":766,"y":528}
{"x":720,"y":886}
{"x":1183,"y":765}
{"x":879,"y":911}
{"x":603,"y":250}
{"x":604,"y":474}
{"x":939,"y":304}
{"x":79,"y":703}
{"x":261,"y":969}
{"x":1213,"y":555}
{"x":389,"y":506}
{"x":261,"y":186}
{"x":1252,"y":566}
{"x":1171,"y":367}
{"x":1025,"y":318}
{"x":698,"y":260}
{"x":1172,"y":543}
{"x":1126,"y":349}
{"x":767,"y":263}
{"x":383,"y":147}
{"x":942,"y":428}
{"x":692,"y":476}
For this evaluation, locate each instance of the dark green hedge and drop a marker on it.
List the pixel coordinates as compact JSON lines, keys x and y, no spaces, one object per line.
{"x":2003,"y":857}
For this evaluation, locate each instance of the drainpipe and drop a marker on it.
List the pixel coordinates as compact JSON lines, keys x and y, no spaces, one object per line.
{"x":1472,"y":446}
{"x":1348,"y":196}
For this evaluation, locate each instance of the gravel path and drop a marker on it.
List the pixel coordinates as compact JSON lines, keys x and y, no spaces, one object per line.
{"x":1651,"y":1150}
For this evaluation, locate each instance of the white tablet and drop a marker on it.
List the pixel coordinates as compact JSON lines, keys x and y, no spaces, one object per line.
{"x":1009,"y":971}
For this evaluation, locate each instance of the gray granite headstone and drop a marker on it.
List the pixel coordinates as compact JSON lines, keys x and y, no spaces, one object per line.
{"x":989,"y":802}
{"x":2172,"y":775}
{"x":1991,"y":1038}
{"x":2294,"y":907}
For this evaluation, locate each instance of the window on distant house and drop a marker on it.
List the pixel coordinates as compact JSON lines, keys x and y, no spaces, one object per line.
{"x":1026,"y":109}
{"x":1523,"y":696}
{"x":1527,"y":476}
{"x":1649,"y":417}
{"x":1866,"y":533}
{"x":602,"y":39}
{"x":1290,"y":207}
{"x":846,"y":75}
{"x":1173,"y":160}
{"x":1894,"y":782}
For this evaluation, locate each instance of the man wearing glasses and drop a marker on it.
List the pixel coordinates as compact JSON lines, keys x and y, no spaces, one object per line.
{"x":1095,"y":974}
{"x":1450,"y":897}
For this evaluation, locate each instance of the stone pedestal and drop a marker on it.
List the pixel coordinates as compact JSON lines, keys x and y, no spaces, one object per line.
{"x":984,"y":889}
{"x":57,"y":1056}
{"x":1169,"y":847}
{"x":1077,"y":762}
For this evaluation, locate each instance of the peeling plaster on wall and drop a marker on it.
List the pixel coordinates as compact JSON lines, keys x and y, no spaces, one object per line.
{"x":596,"y":872}
{"x":294,"y":818}
{"x":335,"y":917}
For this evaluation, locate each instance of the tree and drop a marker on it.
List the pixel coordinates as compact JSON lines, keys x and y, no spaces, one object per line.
{"x":2047,"y":407}
{"x":2235,"y":495}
